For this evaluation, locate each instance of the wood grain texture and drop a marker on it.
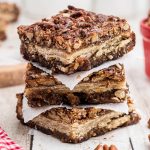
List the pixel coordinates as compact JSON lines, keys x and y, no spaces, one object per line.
{"x":12,"y":75}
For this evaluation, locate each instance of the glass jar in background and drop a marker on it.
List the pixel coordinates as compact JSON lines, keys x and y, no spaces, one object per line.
{"x":38,"y":9}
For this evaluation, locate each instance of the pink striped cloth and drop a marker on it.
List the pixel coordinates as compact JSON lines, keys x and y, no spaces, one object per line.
{"x":6,"y":143}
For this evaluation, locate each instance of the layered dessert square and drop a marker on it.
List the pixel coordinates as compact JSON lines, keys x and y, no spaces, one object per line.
{"x":9,"y":12}
{"x":78,"y":124}
{"x":75,"y":40}
{"x":2,"y":30}
{"x":105,"y":86}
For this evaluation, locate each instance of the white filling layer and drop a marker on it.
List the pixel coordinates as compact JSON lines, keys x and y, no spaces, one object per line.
{"x":99,"y":88}
{"x":104,"y":48}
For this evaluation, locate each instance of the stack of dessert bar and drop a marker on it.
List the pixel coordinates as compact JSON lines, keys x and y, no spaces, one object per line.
{"x":72,"y":41}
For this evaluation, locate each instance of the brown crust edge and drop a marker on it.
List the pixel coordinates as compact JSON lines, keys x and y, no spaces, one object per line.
{"x":73,"y":99}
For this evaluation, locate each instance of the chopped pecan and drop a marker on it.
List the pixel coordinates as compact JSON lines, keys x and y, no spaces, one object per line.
{"x":77,"y":44}
{"x":94,"y":37}
{"x":29,"y":36}
{"x":71,"y":7}
{"x":126,"y":27}
{"x":110,"y":57}
{"x":120,"y":94}
{"x":73,"y":24}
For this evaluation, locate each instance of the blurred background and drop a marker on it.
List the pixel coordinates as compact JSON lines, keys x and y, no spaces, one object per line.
{"x":123,"y":8}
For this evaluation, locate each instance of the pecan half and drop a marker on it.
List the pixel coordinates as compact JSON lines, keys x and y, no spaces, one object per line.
{"x":106,"y":147}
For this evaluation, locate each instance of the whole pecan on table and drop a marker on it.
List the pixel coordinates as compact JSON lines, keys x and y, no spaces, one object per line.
{"x":106,"y":147}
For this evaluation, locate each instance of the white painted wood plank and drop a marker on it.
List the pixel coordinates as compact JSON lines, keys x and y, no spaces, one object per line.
{"x":45,"y":142}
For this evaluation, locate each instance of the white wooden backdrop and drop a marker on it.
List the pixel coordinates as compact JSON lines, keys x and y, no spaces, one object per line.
{"x":130,"y":138}
{"x":123,"y":8}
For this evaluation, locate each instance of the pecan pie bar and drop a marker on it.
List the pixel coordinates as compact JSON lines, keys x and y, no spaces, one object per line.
{"x":105,"y":86}
{"x":78,"y":124}
{"x":75,"y":40}
{"x":9,"y":12}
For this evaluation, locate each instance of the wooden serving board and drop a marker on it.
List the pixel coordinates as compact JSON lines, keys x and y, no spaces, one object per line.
{"x":12,"y":75}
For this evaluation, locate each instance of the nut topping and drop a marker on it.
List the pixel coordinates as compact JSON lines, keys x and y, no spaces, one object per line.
{"x":126,"y":27}
{"x":79,"y":26}
{"x":29,"y":36}
{"x":120,"y":94}
{"x":94,"y":37}
{"x":66,"y":15}
{"x":110,"y":57}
